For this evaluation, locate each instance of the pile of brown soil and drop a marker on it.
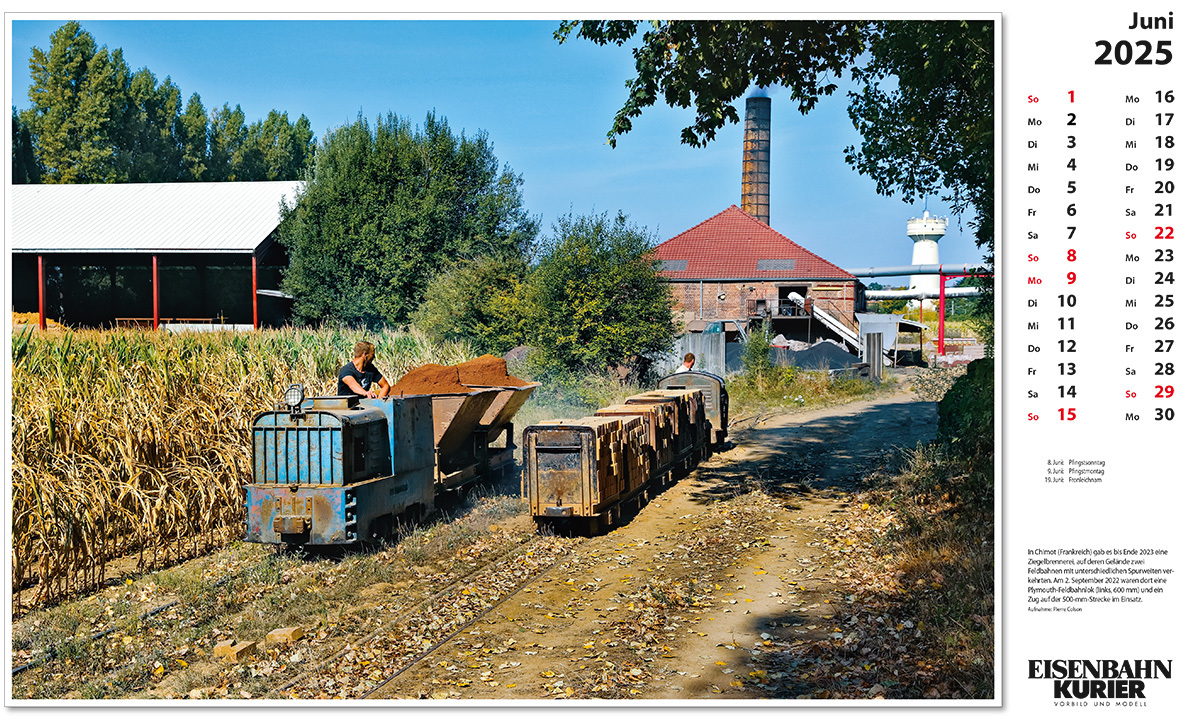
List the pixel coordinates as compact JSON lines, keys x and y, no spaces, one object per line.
{"x":487,"y":370}
{"x":430,"y":379}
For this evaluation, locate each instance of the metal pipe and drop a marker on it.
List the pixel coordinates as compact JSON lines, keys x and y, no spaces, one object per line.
{"x":904,"y":269}
{"x":878,"y":294}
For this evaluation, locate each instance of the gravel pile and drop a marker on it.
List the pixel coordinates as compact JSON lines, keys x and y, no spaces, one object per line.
{"x":932,"y":384}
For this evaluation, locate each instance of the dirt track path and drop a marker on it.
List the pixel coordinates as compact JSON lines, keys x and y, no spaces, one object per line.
{"x":686,"y":599}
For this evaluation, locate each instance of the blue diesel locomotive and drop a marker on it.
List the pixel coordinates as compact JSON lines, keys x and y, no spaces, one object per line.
{"x":335,"y":470}
{"x":339,"y":470}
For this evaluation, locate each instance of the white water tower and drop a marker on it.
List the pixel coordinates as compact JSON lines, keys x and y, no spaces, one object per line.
{"x":925,"y":232}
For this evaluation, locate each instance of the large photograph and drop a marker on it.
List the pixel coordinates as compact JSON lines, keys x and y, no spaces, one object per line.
{"x":507,"y":360}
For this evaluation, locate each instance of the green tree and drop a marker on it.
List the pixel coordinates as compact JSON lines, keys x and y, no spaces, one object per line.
{"x":192,"y":131}
{"x":148,"y":148}
{"x":934,"y":131}
{"x":25,"y":168}
{"x":756,"y":357}
{"x":78,"y":94}
{"x":595,"y":297}
{"x":480,"y":300}
{"x":227,"y":134}
{"x":712,"y":63}
{"x":275,"y":149}
{"x":92,"y":120}
{"x":386,"y":208}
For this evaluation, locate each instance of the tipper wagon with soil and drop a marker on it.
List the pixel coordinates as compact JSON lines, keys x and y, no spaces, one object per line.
{"x":340,"y":470}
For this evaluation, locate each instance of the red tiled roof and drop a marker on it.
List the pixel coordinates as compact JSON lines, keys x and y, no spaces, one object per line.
{"x":730,"y":246}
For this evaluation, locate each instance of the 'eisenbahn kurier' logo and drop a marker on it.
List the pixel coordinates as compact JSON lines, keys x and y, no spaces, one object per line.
{"x":1082,"y":679}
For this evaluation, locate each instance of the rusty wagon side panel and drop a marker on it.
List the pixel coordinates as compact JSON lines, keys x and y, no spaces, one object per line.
{"x":580,"y":470}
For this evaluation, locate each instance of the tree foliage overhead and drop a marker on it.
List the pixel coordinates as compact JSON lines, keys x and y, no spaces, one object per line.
{"x":385,"y":208}
{"x":93,"y":120}
{"x":924,"y":102}
{"x":595,"y":297}
{"x":934,"y":130}
{"x":710,"y":64}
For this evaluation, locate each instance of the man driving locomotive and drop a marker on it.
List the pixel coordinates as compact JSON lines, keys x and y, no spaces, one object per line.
{"x":357,"y":376}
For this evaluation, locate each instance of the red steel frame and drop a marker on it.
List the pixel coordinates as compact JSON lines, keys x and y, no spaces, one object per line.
{"x":254,"y":286}
{"x":942,"y":307}
{"x":154,"y":273}
{"x":41,"y":294}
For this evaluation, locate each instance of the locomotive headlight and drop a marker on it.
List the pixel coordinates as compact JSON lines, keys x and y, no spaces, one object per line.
{"x":293,"y":396}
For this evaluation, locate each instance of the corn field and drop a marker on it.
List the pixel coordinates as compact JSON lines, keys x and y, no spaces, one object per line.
{"x":136,"y":444}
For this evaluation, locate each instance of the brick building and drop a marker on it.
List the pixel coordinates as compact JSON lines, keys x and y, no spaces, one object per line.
{"x":734,"y":267}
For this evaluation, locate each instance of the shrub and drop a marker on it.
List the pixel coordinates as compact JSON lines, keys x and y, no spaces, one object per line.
{"x":757,"y":356}
{"x":966,"y":426}
{"x":595,"y":298}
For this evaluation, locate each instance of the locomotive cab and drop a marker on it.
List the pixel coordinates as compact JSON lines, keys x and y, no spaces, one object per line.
{"x":339,"y":470}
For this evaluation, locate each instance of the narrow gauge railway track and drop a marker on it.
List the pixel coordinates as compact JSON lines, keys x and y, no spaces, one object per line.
{"x":52,"y":651}
{"x":361,"y":670}
{"x":330,"y":656}
{"x":149,"y":619}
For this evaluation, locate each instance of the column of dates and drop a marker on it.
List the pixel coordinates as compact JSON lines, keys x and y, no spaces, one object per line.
{"x":1165,"y":324}
{"x":1149,"y":305}
{"x":1071,"y":302}
{"x":1099,"y":308}
{"x":1031,"y":302}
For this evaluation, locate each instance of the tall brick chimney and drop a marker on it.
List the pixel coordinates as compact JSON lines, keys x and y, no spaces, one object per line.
{"x":756,"y":159}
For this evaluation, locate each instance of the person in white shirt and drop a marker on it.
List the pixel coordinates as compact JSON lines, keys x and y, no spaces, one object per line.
{"x":689,"y":360}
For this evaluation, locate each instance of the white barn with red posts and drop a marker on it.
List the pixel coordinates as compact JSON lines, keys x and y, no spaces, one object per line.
{"x":101,"y":255}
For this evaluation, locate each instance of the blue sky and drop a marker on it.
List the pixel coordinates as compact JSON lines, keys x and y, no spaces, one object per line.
{"x":546,"y":108}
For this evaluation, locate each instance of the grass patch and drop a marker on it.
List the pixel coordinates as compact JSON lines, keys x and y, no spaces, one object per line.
{"x":919,"y":593}
{"x":243,"y":592}
{"x":943,"y":539}
{"x":780,"y":388}
{"x":918,"y":599}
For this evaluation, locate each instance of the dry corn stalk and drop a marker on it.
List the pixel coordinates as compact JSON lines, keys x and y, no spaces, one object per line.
{"x":134,"y":442}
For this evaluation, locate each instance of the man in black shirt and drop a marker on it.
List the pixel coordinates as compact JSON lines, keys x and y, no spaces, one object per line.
{"x":357,"y":376}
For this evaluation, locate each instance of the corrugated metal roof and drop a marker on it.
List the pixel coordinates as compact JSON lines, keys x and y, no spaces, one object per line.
{"x":181,"y":217}
{"x":734,"y":245}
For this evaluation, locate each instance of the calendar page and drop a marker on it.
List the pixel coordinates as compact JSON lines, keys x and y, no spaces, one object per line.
{"x":1096,"y":162}
{"x":1081,"y":230}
